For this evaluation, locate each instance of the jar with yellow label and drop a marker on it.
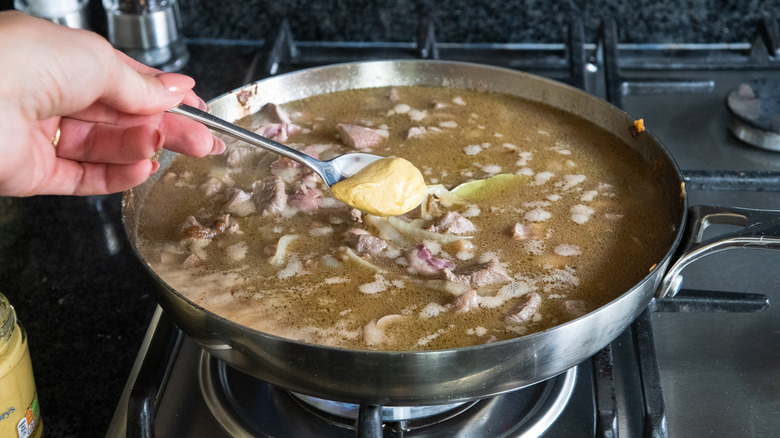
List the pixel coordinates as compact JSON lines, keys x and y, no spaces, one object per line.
{"x":20,"y":415}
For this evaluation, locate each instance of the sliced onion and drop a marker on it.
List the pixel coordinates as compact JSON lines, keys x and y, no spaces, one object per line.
{"x":414,"y":231}
{"x":281,"y":249}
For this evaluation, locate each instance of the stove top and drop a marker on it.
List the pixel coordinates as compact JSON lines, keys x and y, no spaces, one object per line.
{"x":700,"y":364}
{"x":204,"y":397}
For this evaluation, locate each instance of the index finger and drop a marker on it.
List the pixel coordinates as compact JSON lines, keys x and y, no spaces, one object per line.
{"x":190,"y":97}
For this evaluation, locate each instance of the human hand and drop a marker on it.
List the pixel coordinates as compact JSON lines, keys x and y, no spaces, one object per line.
{"x":108,"y":108}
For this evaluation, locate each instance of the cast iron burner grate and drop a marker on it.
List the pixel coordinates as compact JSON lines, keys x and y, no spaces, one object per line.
{"x":754,"y":109}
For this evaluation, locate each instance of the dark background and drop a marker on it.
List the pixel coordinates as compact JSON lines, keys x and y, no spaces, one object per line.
{"x":696,"y":21}
{"x":656,"y":21}
{"x":86,"y":305}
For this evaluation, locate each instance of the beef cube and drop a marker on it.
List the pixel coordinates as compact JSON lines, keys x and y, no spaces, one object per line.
{"x":243,"y":156}
{"x":525,"y":310}
{"x":286,"y":163}
{"x":212,"y":186}
{"x":480,"y":275}
{"x":238,"y":202}
{"x":422,"y":262}
{"x":359,"y":137}
{"x":453,"y":223}
{"x":269,"y":195}
{"x":278,"y":131}
{"x":528,"y":231}
{"x":363,"y":243}
{"x":306,"y":198}
{"x":274,"y":113}
{"x":465,"y":302}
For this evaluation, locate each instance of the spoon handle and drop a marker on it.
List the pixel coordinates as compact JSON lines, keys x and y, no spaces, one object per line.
{"x":246,"y":135}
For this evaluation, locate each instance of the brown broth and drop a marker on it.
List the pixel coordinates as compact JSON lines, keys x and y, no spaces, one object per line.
{"x":566,"y":161}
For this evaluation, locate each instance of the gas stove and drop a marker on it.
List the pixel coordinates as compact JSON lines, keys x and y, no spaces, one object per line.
{"x":703,"y":363}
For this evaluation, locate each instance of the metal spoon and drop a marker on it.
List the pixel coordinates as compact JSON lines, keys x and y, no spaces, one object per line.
{"x":331,"y":171}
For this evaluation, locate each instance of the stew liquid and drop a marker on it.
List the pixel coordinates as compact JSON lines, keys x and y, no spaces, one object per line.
{"x":533,"y":217}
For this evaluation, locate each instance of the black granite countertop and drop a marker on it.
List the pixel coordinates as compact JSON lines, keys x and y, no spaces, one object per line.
{"x":541,"y":21}
{"x":85,"y":299}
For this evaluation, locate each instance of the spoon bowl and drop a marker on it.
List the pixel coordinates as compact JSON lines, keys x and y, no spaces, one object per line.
{"x":331,"y":171}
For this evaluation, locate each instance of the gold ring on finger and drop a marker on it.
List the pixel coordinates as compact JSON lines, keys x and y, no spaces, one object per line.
{"x":55,"y":139}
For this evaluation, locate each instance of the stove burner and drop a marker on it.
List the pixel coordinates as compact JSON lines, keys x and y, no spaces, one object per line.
{"x":247,"y":407}
{"x":754,"y":109}
{"x":422,"y":418}
{"x":389,"y":413}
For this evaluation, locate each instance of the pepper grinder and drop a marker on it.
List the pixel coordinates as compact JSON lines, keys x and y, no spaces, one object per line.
{"x":71,"y":13}
{"x":148,"y":31}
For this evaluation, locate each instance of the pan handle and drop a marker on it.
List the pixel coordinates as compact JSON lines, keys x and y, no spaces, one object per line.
{"x":760,"y":230}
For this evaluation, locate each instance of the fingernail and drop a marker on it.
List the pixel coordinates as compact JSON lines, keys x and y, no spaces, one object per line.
{"x":155,"y":167}
{"x":218,"y":147}
{"x":193,"y":100}
{"x":176,"y":83}
{"x":199,"y":103}
{"x":160,"y":140}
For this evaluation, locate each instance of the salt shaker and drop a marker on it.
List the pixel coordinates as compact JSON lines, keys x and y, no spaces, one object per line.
{"x":148,"y":31}
{"x":71,"y":13}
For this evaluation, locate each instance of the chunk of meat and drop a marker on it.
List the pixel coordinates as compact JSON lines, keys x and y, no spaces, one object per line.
{"x":422,"y":262}
{"x":528,"y":231}
{"x":179,"y":180}
{"x":224,"y":224}
{"x":311,"y":151}
{"x":212,"y":186}
{"x":238,"y":202}
{"x":362,"y":242}
{"x":286,"y":163}
{"x":269,"y":195}
{"x":356,"y":215}
{"x":359,"y":137}
{"x":274,"y":113}
{"x":243,"y":156}
{"x":480,"y":275}
{"x":433,"y":207}
{"x":465,"y":302}
{"x":306,"y":198}
{"x":453,"y":223}
{"x":525,"y":310}
{"x":310,"y":178}
{"x":278,"y":131}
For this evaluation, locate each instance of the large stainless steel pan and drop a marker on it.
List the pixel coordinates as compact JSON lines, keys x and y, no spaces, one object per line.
{"x":446,"y":376}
